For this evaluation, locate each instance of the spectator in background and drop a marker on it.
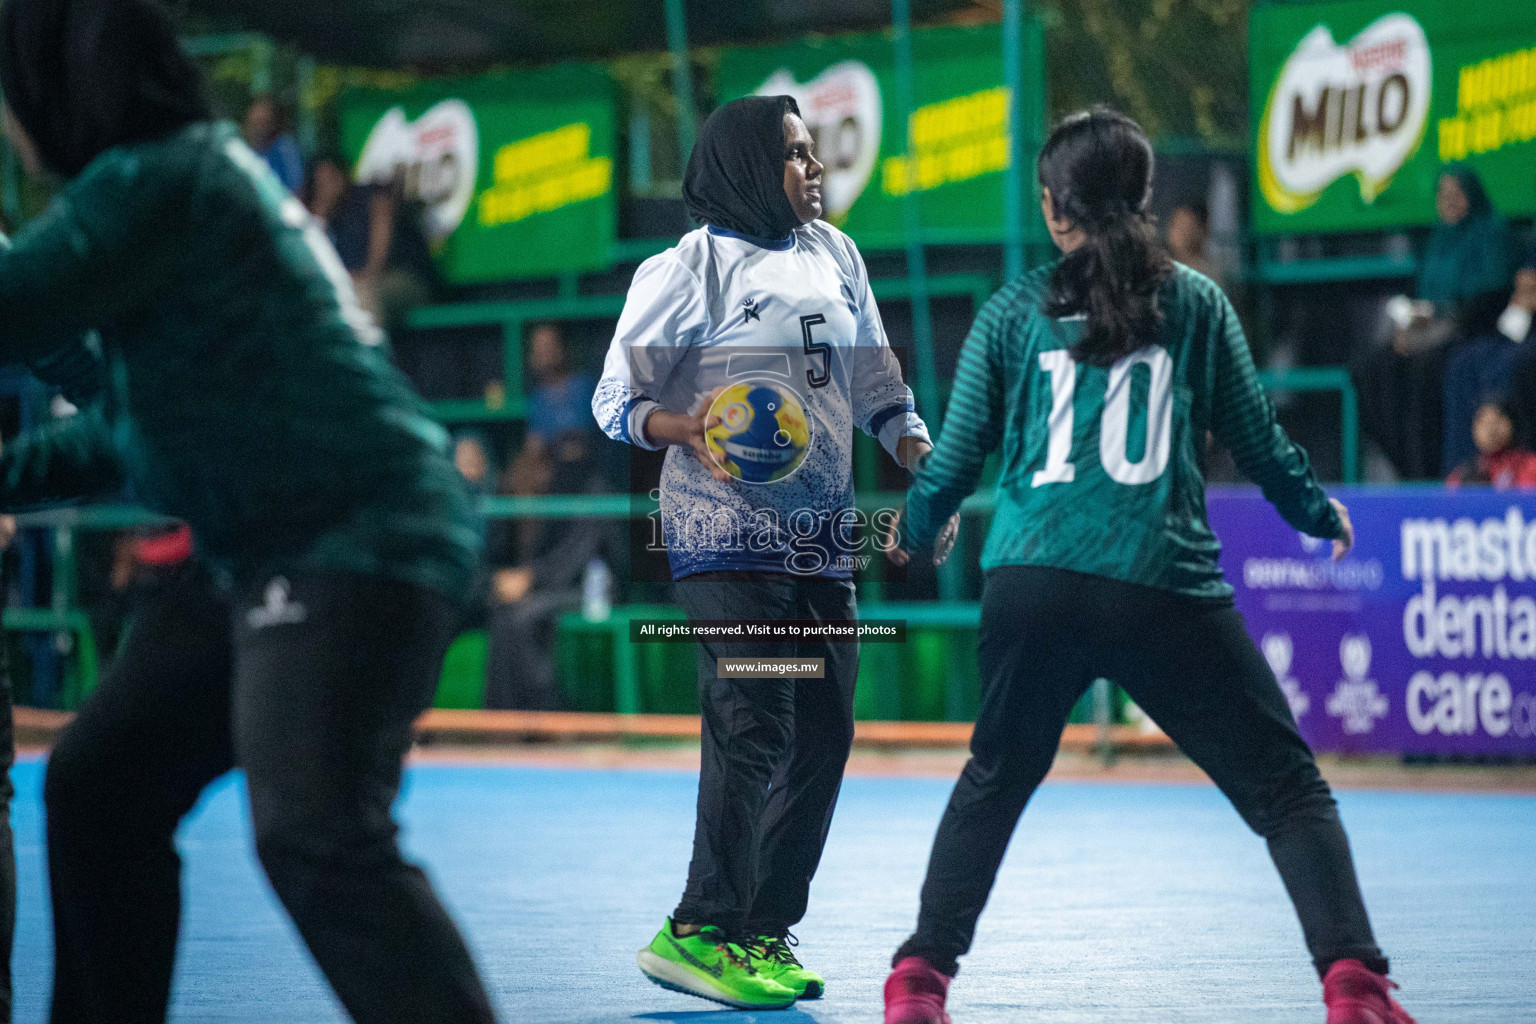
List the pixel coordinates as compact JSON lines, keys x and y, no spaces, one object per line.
{"x":380,"y":235}
{"x":342,"y":208}
{"x":1462,"y":286}
{"x":560,"y":399}
{"x":471,"y":457}
{"x":1487,"y":365}
{"x":266,"y":133}
{"x":1499,"y":460}
{"x":542,"y":579}
{"x":1522,"y":377}
{"x":1189,"y":233}
{"x":399,"y":274}
{"x":327,"y":186}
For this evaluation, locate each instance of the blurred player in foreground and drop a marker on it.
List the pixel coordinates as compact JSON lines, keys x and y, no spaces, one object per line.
{"x":761,"y":313}
{"x":1100,"y":376}
{"x":250,"y":397}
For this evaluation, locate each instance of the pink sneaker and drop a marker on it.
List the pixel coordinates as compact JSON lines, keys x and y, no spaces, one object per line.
{"x":1355,"y":994}
{"x":915,"y":991}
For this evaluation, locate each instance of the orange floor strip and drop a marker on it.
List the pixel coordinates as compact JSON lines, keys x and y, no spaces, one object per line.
{"x":41,"y":725}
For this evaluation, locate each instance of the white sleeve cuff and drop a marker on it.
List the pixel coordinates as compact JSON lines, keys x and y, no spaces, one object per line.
{"x":638,"y":413}
{"x":898,"y":427}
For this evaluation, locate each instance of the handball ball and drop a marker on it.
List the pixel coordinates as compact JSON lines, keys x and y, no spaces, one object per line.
{"x":762,"y":436}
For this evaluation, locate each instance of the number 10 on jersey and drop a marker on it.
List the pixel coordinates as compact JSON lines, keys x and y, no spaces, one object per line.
{"x":1114,"y":422}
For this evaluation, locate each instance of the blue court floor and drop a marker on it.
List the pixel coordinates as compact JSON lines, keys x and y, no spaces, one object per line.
{"x":1116,"y":904}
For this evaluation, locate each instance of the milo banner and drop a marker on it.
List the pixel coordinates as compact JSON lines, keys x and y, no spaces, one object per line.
{"x":515,"y":170}
{"x":960,"y":145}
{"x":1422,"y":640}
{"x":1360,"y":104}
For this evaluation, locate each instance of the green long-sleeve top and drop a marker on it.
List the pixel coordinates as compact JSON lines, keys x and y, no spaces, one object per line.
{"x":1102,"y":469}
{"x":247,"y":393}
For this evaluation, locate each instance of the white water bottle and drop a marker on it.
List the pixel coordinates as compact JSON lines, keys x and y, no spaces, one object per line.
{"x":596,"y":591}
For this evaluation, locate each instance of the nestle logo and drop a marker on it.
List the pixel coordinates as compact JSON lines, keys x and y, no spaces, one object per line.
{"x":1387,"y":56}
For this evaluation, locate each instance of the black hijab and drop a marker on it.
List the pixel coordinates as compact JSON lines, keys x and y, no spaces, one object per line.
{"x":82,"y":76}
{"x":735,"y":177}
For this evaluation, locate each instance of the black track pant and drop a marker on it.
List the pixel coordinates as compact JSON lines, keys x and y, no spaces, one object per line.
{"x":1046,"y":634}
{"x":772,"y":754}
{"x":311,"y":691}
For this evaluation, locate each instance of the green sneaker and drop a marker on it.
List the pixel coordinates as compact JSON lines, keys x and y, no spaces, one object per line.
{"x":775,"y":957}
{"x":710,"y":966}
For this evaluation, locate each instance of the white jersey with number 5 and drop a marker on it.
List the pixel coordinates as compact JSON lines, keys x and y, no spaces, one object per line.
{"x":721,"y":309}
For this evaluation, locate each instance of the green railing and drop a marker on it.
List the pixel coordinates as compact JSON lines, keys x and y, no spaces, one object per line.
{"x":1332,"y":269}
{"x":63,"y":616}
{"x":1327,"y":378}
{"x":511,"y":317}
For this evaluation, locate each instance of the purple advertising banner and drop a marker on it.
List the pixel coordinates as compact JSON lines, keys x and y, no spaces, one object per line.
{"x":1421,"y":641}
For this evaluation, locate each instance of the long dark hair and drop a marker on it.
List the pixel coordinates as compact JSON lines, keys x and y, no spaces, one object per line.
{"x":82,"y":76}
{"x":1098,"y":165}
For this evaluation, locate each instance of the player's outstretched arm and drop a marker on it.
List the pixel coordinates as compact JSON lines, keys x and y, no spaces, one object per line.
{"x":1243,"y":420}
{"x":59,"y":462}
{"x":1345,"y":542}
{"x":972,"y":428}
{"x":882,"y":402}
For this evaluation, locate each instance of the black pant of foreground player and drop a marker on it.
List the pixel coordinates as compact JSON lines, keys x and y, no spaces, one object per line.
{"x":772,"y":753}
{"x":311,"y":688}
{"x":1046,"y":634}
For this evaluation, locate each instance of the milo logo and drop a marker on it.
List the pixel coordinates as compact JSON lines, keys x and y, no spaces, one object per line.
{"x":1357,"y":108}
{"x":437,"y":157}
{"x":841,"y":108}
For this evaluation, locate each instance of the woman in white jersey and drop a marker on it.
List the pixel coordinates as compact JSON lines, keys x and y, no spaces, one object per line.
{"x":775,"y":304}
{"x":1100,"y":377}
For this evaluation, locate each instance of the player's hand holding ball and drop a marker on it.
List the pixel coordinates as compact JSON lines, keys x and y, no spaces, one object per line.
{"x":690,"y":429}
{"x":1342,"y":546}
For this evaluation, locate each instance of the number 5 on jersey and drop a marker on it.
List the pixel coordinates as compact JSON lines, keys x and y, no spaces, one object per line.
{"x":1114,"y":422}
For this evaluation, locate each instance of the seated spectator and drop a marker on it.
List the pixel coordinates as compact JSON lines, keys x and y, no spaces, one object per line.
{"x":326,"y":189}
{"x":1499,"y":460}
{"x":529,"y":592}
{"x":1487,"y":364}
{"x":265,"y":132}
{"x":1189,"y":234}
{"x":399,"y":274}
{"x":560,"y":399}
{"x":380,"y":236}
{"x":472,"y":459}
{"x":1462,"y":287}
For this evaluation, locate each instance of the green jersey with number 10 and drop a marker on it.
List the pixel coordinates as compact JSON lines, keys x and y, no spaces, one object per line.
{"x":1103,"y":468}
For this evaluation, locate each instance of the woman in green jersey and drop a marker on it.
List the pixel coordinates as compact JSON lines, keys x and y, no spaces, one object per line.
{"x":1100,"y":377}
{"x":248,"y":396}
